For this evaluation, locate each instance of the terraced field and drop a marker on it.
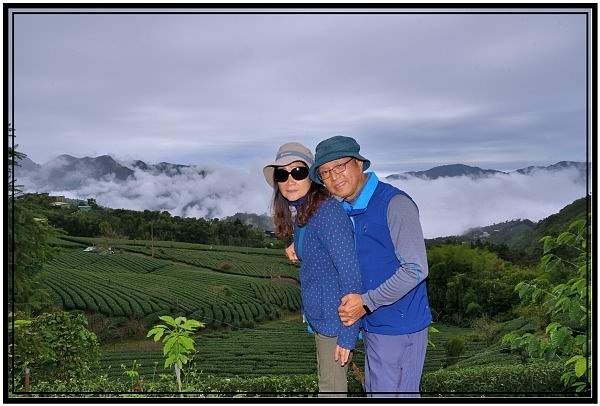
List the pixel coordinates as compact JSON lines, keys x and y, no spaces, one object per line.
{"x":216,"y":286}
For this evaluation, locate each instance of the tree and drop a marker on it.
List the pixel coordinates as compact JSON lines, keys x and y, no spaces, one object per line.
{"x":28,"y":248}
{"x":178,"y":344}
{"x":568,"y":332}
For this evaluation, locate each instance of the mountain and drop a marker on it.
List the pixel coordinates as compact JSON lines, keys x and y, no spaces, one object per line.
{"x":474,"y":172}
{"x":27,"y":165}
{"x":510,"y":232}
{"x":68,"y":173}
{"x":553,"y":168}
{"x":470,"y":198}
{"x":448,"y":171}
{"x":519,"y":241}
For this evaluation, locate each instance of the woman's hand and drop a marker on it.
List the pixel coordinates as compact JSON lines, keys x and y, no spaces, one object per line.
{"x":290,"y":252}
{"x":341,"y":355}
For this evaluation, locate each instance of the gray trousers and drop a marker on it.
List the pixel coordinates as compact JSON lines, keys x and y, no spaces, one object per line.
{"x":332,"y":376}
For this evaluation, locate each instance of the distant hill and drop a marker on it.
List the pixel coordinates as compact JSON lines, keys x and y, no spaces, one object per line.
{"x":510,"y":232}
{"x":523,"y":234}
{"x":559,"y":166}
{"x":559,"y":222}
{"x":474,"y":172}
{"x":262,"y":221}
{"x":203,"y":192}
{"x":446,"y":171}
{"x":66,"y":172}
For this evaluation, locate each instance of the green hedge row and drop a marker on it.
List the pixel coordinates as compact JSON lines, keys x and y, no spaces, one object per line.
{"x":536,"y":377}
{"x":535,"y":380}
{"x":118,"y":285}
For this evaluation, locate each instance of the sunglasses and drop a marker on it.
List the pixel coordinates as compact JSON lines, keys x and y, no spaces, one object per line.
{"x":298,"y":173}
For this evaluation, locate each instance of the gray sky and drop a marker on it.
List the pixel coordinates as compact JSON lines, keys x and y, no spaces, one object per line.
{"x":417,"y":90}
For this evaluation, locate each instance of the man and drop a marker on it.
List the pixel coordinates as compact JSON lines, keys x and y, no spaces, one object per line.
{"x":389,"y":241}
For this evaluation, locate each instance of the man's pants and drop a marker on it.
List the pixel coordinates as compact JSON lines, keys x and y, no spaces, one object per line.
{"x":394,"y":364}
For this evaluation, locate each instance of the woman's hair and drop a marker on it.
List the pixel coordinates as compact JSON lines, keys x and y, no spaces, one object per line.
{"x":282,"y":215}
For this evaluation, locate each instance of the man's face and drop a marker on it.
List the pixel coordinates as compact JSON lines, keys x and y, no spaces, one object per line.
{"x":343,"y":177}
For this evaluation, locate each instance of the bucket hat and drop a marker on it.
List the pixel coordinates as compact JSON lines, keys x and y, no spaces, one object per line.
{"x":288,"y":153}
{"x":334,"y":148}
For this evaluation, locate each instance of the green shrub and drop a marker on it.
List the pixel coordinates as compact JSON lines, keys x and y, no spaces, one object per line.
{"x":535,"y":377}
{"x":485,"y":329}
{"x":54,"y":346}
{"x":454,"y":349}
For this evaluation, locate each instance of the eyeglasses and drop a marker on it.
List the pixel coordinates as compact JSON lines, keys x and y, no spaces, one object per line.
{"x":298,"y":173}
{"x":336,"y":169}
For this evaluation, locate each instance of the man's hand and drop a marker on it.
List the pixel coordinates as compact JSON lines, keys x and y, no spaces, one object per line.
{"x":351,"y":309}
{"x":290,"y":252}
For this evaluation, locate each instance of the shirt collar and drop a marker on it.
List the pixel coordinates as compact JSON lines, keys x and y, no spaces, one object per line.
{"x":359,"y":204}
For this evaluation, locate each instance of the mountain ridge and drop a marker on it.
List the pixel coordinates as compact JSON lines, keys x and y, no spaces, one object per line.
{"x":106,"y":166}
{"x":473,"y":197}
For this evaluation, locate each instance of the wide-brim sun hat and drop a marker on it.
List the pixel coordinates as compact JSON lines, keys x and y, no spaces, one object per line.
{"x":288,"y":153}
{"x":334,"y":148}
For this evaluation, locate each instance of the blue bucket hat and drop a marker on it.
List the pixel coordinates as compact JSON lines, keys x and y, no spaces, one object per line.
{"x":335,"y":148}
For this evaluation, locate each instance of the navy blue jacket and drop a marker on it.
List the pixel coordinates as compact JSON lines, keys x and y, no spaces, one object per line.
{"x":328,"y":271}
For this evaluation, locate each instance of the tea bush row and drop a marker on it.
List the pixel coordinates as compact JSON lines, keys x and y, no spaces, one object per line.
{"x":114,"y":287}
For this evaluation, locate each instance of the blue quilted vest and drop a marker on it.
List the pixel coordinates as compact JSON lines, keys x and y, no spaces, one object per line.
{"x":378,"y":262}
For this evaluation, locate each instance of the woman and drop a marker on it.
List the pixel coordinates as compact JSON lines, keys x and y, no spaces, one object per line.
{"x":324,"y":244}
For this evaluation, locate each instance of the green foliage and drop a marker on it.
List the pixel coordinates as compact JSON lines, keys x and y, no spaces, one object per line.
{"x":133,"y":374}
{"x":555,"y":224}
{"x":135,"y":288}
{"x":518,"y":241}
{"x":534,"y":378}
{"x":465,"y":283}
{"x":178,"y":345}
{"x":280,"y":385}
{"x":148,"y":225}
{"x":238,"y":363}
{"x":28,"y":249}
{"x":454,"y":349}
{"x":175,"y":336}
{"x":485,"y":329}
{"x":53,"y":346}
{"x":568,"y":334}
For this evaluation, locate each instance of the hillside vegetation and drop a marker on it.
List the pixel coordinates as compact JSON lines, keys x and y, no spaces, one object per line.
{"x":116,"y":275}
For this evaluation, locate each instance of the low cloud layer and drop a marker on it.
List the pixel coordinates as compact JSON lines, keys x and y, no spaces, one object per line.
{"x":448,"y":206}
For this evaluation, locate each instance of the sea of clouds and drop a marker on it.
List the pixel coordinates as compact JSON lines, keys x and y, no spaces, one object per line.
{"x":447,"y":206}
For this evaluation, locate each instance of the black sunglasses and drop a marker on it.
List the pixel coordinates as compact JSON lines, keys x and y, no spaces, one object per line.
{"x":298,"y":173}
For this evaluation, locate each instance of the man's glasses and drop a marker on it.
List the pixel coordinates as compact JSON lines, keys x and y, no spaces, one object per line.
{"x":336,"y":169}
{"x":298,"y":173}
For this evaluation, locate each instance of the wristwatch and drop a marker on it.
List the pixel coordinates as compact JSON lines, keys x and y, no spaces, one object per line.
{"x":367,"y":309}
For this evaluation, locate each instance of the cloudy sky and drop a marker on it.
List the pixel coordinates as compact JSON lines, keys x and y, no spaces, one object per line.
{"x":417,"y":89}
{"x":223,"y":89}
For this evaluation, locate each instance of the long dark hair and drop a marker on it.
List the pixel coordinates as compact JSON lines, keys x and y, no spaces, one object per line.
{"x":282,"y":215}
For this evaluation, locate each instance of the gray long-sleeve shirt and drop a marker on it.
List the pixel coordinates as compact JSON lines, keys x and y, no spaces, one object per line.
{"x":407,"y":236}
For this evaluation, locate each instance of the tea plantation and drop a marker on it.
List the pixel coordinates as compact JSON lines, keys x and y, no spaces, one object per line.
{"x":249,"y":300}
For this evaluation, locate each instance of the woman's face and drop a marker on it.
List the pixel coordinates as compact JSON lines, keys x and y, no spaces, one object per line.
{"x":293,"y":189}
